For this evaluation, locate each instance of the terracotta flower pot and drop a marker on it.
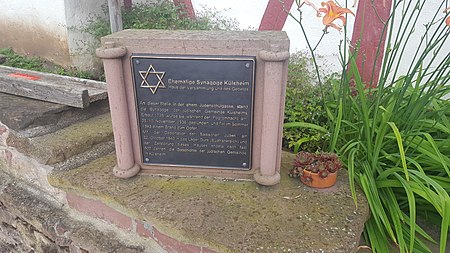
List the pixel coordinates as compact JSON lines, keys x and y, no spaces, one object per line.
{"x":314,"y":180}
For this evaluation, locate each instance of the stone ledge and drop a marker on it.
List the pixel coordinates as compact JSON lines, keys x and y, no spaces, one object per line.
{"x":223,"y":215}
{"x":27,"y":209}
{"x":59,"y":146}
{"x":30,"y":118}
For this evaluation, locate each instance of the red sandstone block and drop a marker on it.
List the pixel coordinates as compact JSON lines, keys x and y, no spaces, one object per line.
{"x":172,"y":245}
{"x":97,"y":209}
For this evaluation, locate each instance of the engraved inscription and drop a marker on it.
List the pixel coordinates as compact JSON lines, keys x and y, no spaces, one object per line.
{"x":201,"y":118}
{"x":175,"y":127}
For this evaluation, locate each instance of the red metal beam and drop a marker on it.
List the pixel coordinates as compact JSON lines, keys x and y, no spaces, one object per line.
{"x":186,"y":7}
{"x":369,"y":35}
{"x":275,"y":15}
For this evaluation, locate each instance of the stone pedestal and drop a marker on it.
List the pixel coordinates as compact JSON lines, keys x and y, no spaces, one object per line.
{"x":269,"y":49}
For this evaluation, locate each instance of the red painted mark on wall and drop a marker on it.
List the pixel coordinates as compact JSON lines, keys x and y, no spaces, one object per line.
{"x":369,"y":34}
{"x":187,"y":10}
{"x":275,"y":15}
{"x":24,"y":76}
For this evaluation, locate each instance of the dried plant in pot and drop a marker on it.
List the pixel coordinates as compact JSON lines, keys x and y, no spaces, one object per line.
{"x":316,"y":170}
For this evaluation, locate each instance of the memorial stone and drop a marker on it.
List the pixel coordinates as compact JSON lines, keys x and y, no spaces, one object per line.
{"x":197,"y":103}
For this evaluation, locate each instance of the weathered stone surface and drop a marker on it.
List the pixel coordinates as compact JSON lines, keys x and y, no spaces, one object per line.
{"x":32,"y":117}
{"x":59,"y":146}
{"x":229,"y":216}
{"x":42,"y":225}
{"x":27,"y":112}
{"x":11,"y":240}
{"x":93,"y":153}
{"x":28,"y":170}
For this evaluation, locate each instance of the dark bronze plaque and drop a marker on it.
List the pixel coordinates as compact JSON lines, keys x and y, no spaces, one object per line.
{"x":195,"y":110}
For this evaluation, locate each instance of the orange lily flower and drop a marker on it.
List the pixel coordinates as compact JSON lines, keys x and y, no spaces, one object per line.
{"x":447,"y":21}
{"x":333,"y":12}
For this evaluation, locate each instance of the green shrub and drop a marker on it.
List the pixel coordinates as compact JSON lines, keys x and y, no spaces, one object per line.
{"x":163,"y":15}
{"x":395,"y":138}
{"x":37,"y":64}
{"x":303,"y":104}
{"x":18,"y":61}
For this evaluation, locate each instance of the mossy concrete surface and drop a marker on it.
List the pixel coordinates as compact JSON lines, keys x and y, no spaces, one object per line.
{"x":61,"y":145}
{"x":229,"y":215}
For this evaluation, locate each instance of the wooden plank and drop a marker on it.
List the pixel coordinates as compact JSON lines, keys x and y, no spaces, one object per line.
{"x":58,"y":89}
{"x":115,"y":16}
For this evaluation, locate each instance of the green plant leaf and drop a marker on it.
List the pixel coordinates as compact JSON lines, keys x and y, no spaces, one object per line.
{"x":305,"y":125}
{"x":412,"y":209}
{"x":398,"y":137}
{"x":444,"y":226}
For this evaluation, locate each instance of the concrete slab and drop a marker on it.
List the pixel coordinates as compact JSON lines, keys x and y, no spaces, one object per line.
{"x":30,"y":117}
{"x":59,"y":146}
{"x":27,"y":112}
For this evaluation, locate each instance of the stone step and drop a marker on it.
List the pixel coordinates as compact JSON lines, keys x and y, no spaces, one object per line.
{"x":61,"y":145}
{"x":30,"y":118}
{"x":216,"y":215}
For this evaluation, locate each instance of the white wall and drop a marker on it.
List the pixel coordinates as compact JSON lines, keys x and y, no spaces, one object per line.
{"x":34,"y":26}
{"x":43,"y":13}
{"x":429,"y":10}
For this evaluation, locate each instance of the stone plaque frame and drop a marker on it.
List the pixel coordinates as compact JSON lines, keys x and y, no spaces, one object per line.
{"x":271,"y":51}
{"x":145,"y":65}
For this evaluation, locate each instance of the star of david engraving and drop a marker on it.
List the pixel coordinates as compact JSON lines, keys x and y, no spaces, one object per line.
{"x":146,"y":74}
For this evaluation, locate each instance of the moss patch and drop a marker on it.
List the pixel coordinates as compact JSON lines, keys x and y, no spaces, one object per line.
{"x":75,"y":139}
